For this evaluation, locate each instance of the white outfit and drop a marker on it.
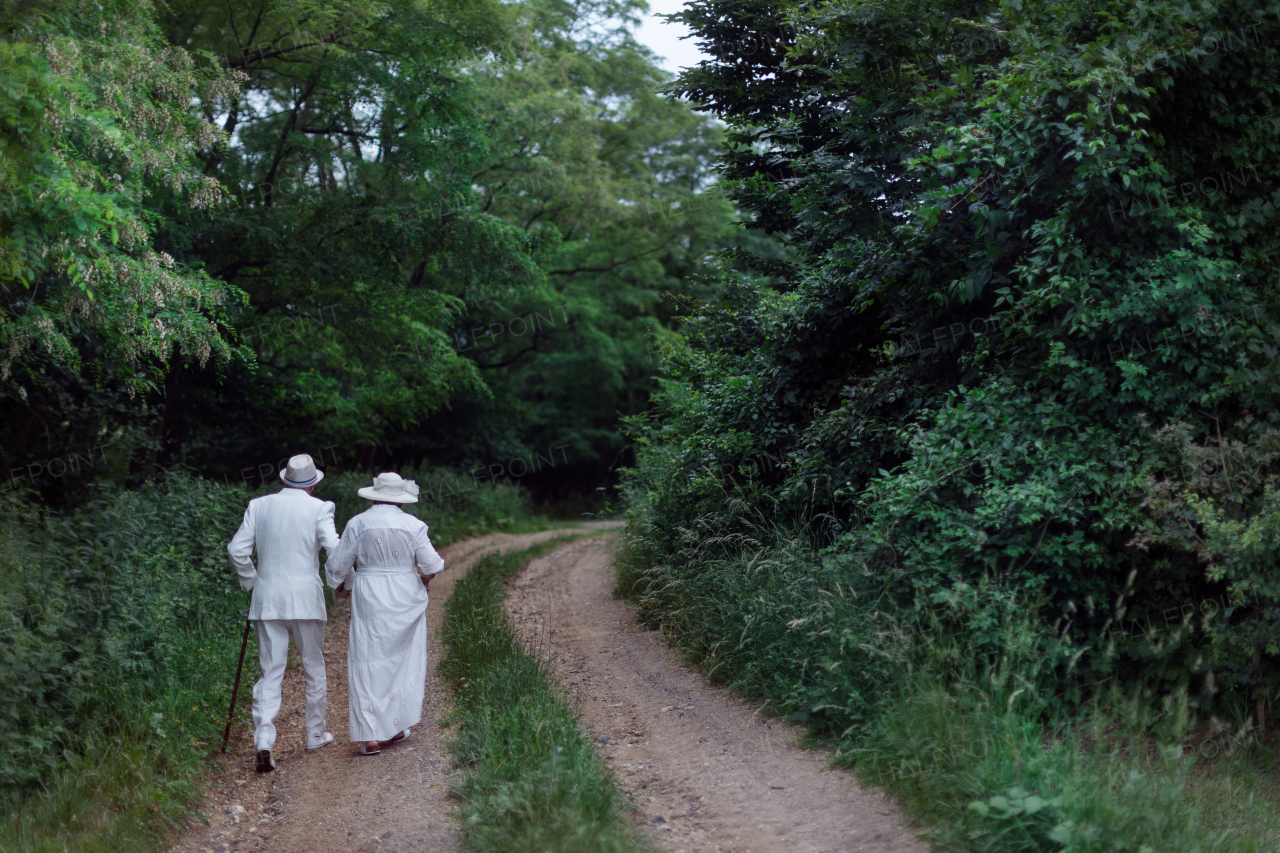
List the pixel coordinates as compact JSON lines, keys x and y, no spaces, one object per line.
{"x":273,"y":653}
{"x":387,"y":652}
{"x":288,"y":529}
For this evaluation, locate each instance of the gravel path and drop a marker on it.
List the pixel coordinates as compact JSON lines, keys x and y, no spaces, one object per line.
{"x":706,"y":773}
{"x":335,"y":799}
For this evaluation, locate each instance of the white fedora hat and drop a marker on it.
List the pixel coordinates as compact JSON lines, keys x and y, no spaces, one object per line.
{"x":391,"y":487}
{"x":301,"y":472}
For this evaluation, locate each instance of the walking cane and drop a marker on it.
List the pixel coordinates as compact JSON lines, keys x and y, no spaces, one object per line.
{"x":236,"y":689}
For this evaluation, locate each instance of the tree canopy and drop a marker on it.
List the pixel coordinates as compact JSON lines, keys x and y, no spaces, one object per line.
{"x":289,"y":224}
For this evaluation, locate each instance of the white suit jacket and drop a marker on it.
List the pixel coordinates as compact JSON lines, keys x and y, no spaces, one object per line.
{"x":288,"y":529}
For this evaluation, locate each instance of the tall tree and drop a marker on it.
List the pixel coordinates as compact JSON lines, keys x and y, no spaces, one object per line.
{"x":1031,"y":233}
{"x":96,"y":137}
{"x":343,"y":148}
{"x":581,"y":144}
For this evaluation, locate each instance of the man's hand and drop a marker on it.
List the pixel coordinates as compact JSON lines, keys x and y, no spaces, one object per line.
{"x":342,"y":591}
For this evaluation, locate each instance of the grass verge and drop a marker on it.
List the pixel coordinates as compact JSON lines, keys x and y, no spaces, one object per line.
{"x":139,"y":774}
{"x":987,"y":778}
{"x":980,"y":752}
{"x":532,"y":780}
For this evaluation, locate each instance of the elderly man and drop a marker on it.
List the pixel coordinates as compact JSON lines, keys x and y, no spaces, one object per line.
{"x":288,"y":529}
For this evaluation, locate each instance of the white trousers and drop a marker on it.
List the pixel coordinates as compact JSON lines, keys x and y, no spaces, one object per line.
{"x":273,"y":653}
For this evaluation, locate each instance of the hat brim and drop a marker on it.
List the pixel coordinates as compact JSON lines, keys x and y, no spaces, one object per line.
{"x":319,"y":476}
{"x":369,"y":493}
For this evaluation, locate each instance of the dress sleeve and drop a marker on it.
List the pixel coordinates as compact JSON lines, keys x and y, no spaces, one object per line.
{"x":240,"y":550}
{"x":338,"y":566}
{"x":426,"y":558}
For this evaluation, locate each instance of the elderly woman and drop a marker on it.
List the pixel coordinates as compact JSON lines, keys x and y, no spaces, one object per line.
{"x":387,"y":651}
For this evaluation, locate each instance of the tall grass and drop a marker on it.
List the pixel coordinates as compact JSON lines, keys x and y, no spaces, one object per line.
{"x":987,"y":765}
{"x":954,"y":705}
{"x":118,"y":641}
{"x":532,"y":780}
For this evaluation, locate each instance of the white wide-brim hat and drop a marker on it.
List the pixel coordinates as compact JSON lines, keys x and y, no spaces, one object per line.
{"x":301,"y":472}
{"x":391,"y":487}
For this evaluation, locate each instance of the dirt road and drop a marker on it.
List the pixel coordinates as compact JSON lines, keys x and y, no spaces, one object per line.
{"x":706,"y":773}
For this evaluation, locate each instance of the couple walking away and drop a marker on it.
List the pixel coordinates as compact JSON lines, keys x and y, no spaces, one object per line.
{"x":393,"y":564}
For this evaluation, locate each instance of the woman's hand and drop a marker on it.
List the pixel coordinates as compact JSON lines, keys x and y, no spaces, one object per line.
{"x":342,"y":591}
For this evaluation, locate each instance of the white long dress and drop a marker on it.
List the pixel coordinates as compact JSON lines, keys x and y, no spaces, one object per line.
{"x":387,"y":650}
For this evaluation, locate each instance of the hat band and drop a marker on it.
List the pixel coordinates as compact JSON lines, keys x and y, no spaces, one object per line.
{"x":293,"y":482}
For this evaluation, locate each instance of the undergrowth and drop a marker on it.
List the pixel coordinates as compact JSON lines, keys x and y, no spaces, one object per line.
{"x":453,"y":505}
{"x":980,"y":747}
{"x":532,"y":779}
{"x":986,"y":766}
{"x":118,"y":645}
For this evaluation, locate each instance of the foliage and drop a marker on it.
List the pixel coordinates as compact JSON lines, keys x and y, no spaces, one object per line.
{"x":343,"y":144}
{"x":581,"y":144}
{"x":120,"y":637}
{"x":135,"y":783}
{"x":1029,"y":231}
{"x":1217,"y":500}
{"x":101,"y":601}
{"x":96,"y":135}
{"x":532,"y":173}
{"x":334,"y":196}
{"x":454,"y":506}
{"x":96,"y":129}
{"x":531,"y":779}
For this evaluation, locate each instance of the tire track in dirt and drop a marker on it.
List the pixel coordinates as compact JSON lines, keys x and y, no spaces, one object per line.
{"x":335,"y":799}
{"x":705,"y":772}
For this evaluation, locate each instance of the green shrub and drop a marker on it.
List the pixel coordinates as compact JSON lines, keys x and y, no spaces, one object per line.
{"x":1017,"y":251}
{"x":117,"y":652}
{"x":453,"y":505}
{"x":100,"y":606}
